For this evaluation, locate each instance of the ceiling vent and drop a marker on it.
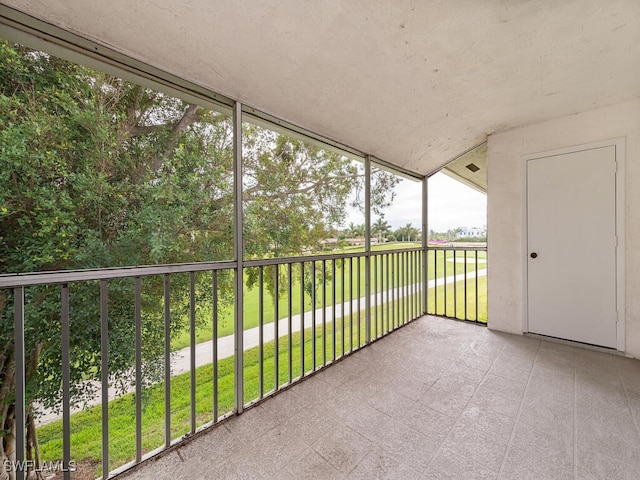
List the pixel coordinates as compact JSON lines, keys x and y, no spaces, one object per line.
{"x":473,"y":167}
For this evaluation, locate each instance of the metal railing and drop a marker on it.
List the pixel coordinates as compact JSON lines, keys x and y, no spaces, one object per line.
{"x":300,"y":315}
{"x":457,"y":283}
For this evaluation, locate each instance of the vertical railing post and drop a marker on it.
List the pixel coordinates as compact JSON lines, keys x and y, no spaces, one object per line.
{"x":367,"y":249}
{"x":342,"y":301}
{"x":425,"y":243}
{"x":192,"y":345}
{"x":455,"y":285}
{"x":477,"y":284}
{"x":239,"y":256}
{"x":290,"y":320}
{"x":324,"y":312}
{"x":138,"y":346}
{"x":214,"y":344}
{"x":167,"y":360}
{"x":333,"y":306}
{"x":66,"y":382}
{"x":21,"y":380}
{"x":466,"y":304}
{"x":104,"y":371}
{"x":261,"y":331}
{"x":276,"y":326}
{"x":314,"y":301}
{"x":302,"y":319}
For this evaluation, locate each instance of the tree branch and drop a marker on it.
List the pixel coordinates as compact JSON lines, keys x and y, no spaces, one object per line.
{"x":189,"y":117}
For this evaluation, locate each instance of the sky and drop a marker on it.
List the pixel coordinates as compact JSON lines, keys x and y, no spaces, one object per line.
{"x":451,"y":204}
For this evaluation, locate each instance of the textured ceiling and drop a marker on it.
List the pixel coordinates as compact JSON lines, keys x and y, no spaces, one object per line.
{"x":470,"y":168}
{"x":414,"y":83}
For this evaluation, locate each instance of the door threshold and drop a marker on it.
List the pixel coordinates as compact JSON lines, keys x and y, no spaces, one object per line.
{"x":574,"y":343}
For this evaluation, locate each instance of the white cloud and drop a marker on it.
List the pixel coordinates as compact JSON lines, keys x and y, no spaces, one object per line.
{"x":451,"y":204}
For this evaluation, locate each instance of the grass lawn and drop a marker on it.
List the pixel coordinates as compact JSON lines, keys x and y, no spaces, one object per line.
{"x":437,"y":266}
{"x":86,"y":430}
{"x":455,"y":305}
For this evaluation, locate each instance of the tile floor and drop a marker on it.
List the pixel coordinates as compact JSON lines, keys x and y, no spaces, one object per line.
{"x":438,"y":399}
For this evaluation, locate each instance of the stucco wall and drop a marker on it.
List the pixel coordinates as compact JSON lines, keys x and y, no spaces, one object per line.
{"x":506,"y":207}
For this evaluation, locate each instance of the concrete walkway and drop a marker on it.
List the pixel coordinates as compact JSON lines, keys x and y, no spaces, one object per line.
{"x":180,"y":363}
{"x":181,"y":359}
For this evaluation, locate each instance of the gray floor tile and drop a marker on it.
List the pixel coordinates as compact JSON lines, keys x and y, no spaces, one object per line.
{"x":468,"y":371}
{"x":314,"y":389}
{"x":502,"y":400}
{"x":413,"y":385}
{"x":427,"y":421}
{"x":600,"y":467}
{"x":343,"y":448}
{"x":213,"y":448}
{"x":368,"y":421}
{"x":487,"y":450}
{"x":235,"y":468}
{"x":309,"y":466}
{"x":284,"y":405}
{"x":379,"y":464}
{"x":614,"y":441}
{"x":391,"y":403}
{"x":410,"y":447}
{"x":553,"y":443}
{"x":251,"y":424}
{"x":275,"y":449}
{"x":527,"y":465}
{"x":436,"y":400}
{"x":629,"y":371}
{"x":449,"y":465}
{"x":310,"y":425}
{"x":159,"y":468}
{"x":448,"y":395}
{"x":633,"y":398}
{"x":487,"y":421}
{"x":506,"y":368}
{"x":547,"y":415}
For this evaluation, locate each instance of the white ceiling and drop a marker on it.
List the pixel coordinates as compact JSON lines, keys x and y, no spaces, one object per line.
{"x":414,"y":83}
{"x":459,"y":168}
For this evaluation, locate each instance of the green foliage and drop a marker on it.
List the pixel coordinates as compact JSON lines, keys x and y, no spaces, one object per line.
{"x":407,"y":233}
{"x":98,"y":172}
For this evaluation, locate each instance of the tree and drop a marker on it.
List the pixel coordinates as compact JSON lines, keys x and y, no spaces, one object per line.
{"x":99,"y":172}
{"x":407,"y":233}
{"x":356,"y":231}
{"x":380,"y":228}
{"x":453,"y":233}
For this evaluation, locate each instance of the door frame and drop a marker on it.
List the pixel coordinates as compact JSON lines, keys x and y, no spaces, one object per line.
{"x":620,"y":155}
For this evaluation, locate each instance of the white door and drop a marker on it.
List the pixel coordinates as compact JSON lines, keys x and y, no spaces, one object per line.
{"x":571,"y":208}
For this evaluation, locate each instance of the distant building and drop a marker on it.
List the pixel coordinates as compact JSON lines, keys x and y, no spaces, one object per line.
{"x":466,"y":232}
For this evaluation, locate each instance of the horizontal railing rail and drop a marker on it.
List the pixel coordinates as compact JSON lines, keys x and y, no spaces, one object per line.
{"x":300,"y":315}
{"x":68,"y":276}
{"x":65,"y":276}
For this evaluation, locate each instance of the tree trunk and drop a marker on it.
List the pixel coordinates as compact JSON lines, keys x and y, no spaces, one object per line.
{"x":33,"y":450}
{"x":8,"y":450}
{"x":8,"y":420}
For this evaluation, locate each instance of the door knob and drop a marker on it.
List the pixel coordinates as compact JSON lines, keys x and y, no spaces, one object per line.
{"x":534,"y":255}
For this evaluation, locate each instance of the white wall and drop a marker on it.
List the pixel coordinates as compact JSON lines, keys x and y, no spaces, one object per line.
{"x":506,"y":207}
